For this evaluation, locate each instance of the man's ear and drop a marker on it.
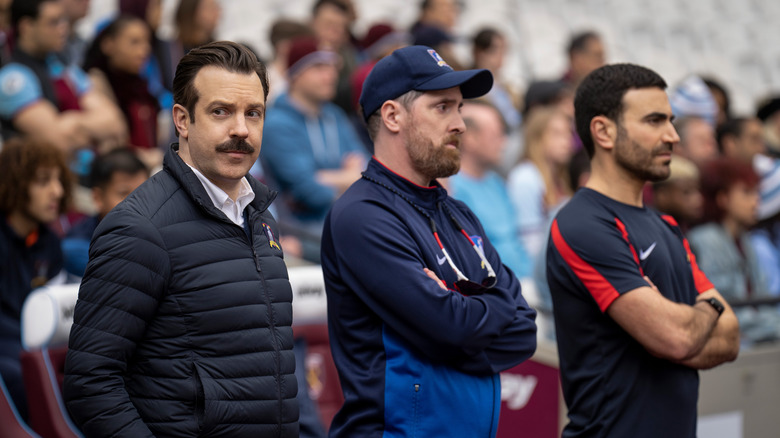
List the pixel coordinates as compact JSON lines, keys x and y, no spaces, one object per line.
{"x":181,"y":119}
{"x":604,"y":132}
{"x":392,"y":113}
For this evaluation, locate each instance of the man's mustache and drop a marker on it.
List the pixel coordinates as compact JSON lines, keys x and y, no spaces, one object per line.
{"x":236,"y":145}
{"x":452,"y":138}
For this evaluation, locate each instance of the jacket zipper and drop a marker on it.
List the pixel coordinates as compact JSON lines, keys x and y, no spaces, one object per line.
{"x":271,"y":319}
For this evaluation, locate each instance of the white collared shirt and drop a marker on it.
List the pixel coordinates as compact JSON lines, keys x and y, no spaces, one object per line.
{"x":233,"y":210}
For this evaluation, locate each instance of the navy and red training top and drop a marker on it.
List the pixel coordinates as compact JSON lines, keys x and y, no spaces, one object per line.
{"x":599,"y":249}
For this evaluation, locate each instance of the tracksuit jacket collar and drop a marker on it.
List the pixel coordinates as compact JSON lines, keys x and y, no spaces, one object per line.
{"x":425,"y":197}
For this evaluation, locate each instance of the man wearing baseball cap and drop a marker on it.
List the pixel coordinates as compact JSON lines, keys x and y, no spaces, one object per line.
{"x":422,"y":313}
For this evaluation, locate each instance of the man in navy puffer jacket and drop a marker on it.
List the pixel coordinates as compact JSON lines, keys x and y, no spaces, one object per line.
{"x":183,"y":323}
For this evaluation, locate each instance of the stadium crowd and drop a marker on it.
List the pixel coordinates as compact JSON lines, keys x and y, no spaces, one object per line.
{"x":84,"y":123}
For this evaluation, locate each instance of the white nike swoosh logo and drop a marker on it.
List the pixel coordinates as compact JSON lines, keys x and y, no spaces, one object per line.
{"x":646,"y":253}
{"x":441,"y":260}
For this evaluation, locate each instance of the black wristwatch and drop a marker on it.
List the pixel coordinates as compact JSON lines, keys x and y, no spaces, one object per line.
{"x":715,"y":303}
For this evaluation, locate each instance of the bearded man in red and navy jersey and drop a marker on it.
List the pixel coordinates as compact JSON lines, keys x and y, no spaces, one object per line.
{"x":635,"y":317}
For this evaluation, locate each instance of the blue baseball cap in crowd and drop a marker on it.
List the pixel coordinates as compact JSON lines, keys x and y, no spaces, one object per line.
{"x":418,"y":68}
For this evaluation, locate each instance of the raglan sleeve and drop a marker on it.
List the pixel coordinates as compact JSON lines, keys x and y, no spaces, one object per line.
{"x":594,"y":252}
{"x":19,"y":88}
{"x":374,"y":255}
{"x":517,"y":342}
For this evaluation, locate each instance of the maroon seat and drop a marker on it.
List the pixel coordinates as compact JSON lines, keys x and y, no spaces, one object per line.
{"x":321,"y":374}
{"x":43,"y":373}
{"x":12,"y":425}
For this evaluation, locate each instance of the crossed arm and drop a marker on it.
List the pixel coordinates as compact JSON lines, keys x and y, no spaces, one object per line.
{"x":98,"y":122}
{"x":692,"y":335}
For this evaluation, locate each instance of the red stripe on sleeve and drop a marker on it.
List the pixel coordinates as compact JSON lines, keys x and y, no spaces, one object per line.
{"x":670,"y":219}
{"x":624,"y":232}
{"x":601,"y":290}
{"x":699,"y":279}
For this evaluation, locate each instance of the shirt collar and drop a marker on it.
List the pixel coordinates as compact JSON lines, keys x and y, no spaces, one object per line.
{"x":233,"y":210}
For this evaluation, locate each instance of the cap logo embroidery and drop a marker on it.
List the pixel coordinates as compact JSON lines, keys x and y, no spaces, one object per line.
{"x":441,"y":62}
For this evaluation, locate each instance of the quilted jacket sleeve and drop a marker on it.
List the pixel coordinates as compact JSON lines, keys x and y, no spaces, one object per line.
{"x":119,"y":294}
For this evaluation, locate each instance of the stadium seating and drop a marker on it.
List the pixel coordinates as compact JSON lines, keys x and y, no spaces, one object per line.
{"x":12,"y":425}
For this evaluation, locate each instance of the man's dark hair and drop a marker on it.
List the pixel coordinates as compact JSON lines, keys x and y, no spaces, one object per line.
{"x":715,"y":85}
{"x":285,"y":29}
{"x":227,"y":55}
{"x":23,"y":9}
{"x":20,"y":159}
{"x":122,"y":160}
{"x":601,"y":94}
{"x":579,"y":41}
{"x":730,"y":128}
{"x":483,"y":40}
{"x":335,"y":3}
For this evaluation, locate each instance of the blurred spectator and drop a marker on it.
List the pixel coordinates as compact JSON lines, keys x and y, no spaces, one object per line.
{"x":482,"y":189}
{"x":114,"y":62}
{"x":34,"y":190}
{"x":545,"y":93}
{"x":540,"y":185}
{"x":692,"y":98}
{"x":440,"y":14}
{"x":741,"y":139}
{"x":330,"y":21}
{"x":586,"y":53}
{"x":489,"y":48}
{"x":76,"y":46}
{"x":44,"y":99}
{"x":435,"y":28}
{"x":160,"y":67}
{"x":36,"y":76}
{"x":309,"y":147}
{"x":439,"y":40}
{"x":380,"y":40}
{"x":114,"y":175}
{"x":196,"y":21}
{"x":679,"y":195}
{"x":283,"y":31}
{"x":723,"y":249}
{"x":721,"y":97}
{"x":5,"y":30}
{"x":697,"y":139}
{"x":769,"y":114}
{"x":766,"y":234}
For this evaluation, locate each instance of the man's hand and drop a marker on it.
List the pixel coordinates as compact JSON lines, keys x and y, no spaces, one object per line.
{"x":340,"y":179}
{"x":433,"y":276}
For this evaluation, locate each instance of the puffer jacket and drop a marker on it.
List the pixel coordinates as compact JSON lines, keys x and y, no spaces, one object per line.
{"x":183,"y":323}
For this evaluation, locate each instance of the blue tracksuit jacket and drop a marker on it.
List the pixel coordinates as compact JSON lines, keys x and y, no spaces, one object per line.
{"x":414,"y":359}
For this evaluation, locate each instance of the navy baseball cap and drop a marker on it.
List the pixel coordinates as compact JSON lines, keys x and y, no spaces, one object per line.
{"x":418,"y":68}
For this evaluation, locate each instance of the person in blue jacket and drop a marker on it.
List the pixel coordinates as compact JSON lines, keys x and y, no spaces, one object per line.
{"x":113,"y":176}
{"x":422,"y":314}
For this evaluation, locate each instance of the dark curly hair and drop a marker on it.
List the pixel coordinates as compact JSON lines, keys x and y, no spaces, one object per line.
{"x":20,"y":160}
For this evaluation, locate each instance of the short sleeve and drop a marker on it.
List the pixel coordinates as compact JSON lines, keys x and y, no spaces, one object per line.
{"x":19,"y":87}
{"x":79,"y":79}
{"x":598,"y":255}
